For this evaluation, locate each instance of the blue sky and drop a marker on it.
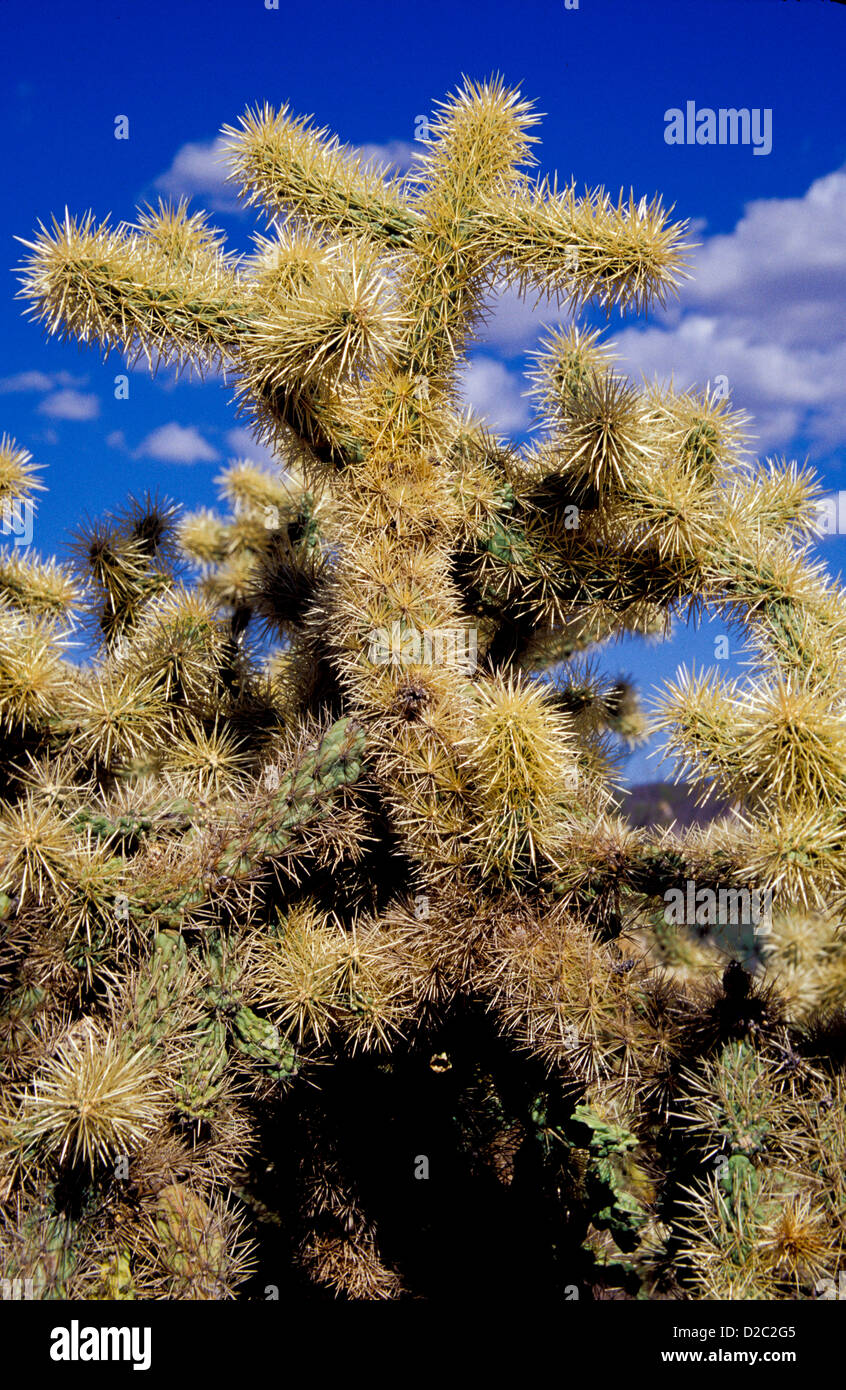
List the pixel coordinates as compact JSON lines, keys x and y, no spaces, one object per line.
{"x":765,"y":309}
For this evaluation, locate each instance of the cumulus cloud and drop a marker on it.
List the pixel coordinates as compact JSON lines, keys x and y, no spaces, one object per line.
{"x":70,"y":405}
{"x":175,"y":443}
{"x":495,"y":394}
{"x":240,"y":444}
{"x":199,"y":170}
{"x":38,"y":381}
{"x":764,"y":309}
{"x":396,"y":156}
{"x":26,"y":381}
{"x":513,"y":323}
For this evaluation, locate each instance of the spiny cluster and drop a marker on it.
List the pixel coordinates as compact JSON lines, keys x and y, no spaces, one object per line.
{"x":315,"y":876}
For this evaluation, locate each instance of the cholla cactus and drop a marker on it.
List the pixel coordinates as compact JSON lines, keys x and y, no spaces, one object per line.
{"x":327,"y":957}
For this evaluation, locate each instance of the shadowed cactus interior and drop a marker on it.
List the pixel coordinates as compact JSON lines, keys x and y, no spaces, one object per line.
{"x":328,"y":963}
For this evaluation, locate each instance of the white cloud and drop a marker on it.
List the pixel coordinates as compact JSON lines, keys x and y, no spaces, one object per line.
{"x":116,"y":440}
{"x":199,"y":169}
{"x":39,"y":381}
{"x":395,"y":155}
{"x":26,"y":381}
{"x":70,"y":405}
{"x":494,"y":393}
{"x":175,"y":443}
{"x":784,"y":389}
{"x":764,"y":308}
{"x":240,"y":444}
{"x":514,"y":324}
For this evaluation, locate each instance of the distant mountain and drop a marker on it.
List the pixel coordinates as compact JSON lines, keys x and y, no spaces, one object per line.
{"x":660,"y":803}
